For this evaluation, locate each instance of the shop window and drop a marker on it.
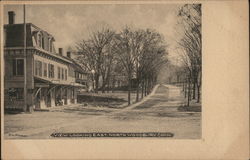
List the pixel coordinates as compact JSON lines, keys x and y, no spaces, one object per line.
{"x":18,"y":67}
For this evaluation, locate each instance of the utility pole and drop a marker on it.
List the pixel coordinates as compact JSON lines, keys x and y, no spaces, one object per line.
{"x":25,"y":56}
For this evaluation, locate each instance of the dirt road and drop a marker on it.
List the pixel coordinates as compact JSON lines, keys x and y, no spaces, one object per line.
{"x":156,"y":113}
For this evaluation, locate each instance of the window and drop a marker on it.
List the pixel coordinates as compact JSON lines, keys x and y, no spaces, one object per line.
{"x":51,"y":70}
{"x":39,"y":39}
{"x":62,"y":73}
{"x":83,"y":76}
{"x":45,"y":69}
{"x":71,"y":72}
{"x":18,"y":67}
{"x":16,"y":93}
{"x":38,"y":68}
{"x":59,"y":72}
{"x":50,"y":45}
{"x":42,"y":42}
{"x":66,"y":74}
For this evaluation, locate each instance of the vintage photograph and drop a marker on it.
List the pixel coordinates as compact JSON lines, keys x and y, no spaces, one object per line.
{"x":102,"y":70}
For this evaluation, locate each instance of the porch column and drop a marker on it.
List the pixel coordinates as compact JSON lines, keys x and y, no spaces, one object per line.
{"x":68,"y":95}
{"x":75,"y":95}
{"x":52,"y":96}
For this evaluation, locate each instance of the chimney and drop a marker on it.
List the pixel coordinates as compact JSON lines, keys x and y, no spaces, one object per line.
{"x":68,"y":54}
{"x":11,"y":17}
{"x":60,"y":50}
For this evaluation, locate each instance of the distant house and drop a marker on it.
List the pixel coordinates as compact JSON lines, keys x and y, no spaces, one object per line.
{"x":81,"y":75}
{"x":52,"y":78}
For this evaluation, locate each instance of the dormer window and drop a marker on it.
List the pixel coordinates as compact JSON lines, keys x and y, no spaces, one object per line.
{"x":42,"y":42}
{"x":50,"y":44}
{"x":39,"y":39}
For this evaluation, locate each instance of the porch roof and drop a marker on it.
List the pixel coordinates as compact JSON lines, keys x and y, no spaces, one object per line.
{"x":43,"y":82}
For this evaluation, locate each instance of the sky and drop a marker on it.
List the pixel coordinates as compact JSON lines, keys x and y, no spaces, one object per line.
{"x":71,"y":23}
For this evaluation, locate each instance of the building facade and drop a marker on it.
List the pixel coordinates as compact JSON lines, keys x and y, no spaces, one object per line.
{"x":52,"y":78}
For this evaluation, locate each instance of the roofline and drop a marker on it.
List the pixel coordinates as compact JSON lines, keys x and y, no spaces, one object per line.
{"x":31,"y":24}
{"x":76,"y":64}
{"x":44,"y":51}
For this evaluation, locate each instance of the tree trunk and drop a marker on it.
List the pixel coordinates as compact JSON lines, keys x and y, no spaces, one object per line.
{"x":183,"y":86}
{"x":194,"y":88}
{"x":185,"y":89}
{"x":96,"y":83}
{"x":108,"y":86}
{"x":198,"y":93}
{"x":103,"y":89}
{"x":113,"y":85}
{"x":189,"y":92}
{"x":129,"y":89}
{"x":142,"y":89}
{"x":104,"y":81}
{"x":93,"y":83}
{"x":137,"y":90}
{"x":148,"y":85}
{"x":199,"y":88}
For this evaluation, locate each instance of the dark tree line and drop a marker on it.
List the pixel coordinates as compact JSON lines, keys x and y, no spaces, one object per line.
{"x":190,"y":43}
{"x":136,"y":53}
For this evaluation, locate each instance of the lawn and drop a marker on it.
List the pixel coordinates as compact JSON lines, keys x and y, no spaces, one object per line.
{"x":117,"y":99}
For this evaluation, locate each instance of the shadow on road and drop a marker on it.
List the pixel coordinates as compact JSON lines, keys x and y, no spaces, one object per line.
{"x":190,"y":108}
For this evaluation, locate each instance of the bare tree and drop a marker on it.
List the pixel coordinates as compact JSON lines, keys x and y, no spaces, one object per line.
{"x":107,"y":66}
{"x":92,"y":53}
{"x":147,"y":40}
{"x":124,"y":48}
{"x":140,"y":52}
{"x":190,"y":42}
{"x":152,"y":64}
